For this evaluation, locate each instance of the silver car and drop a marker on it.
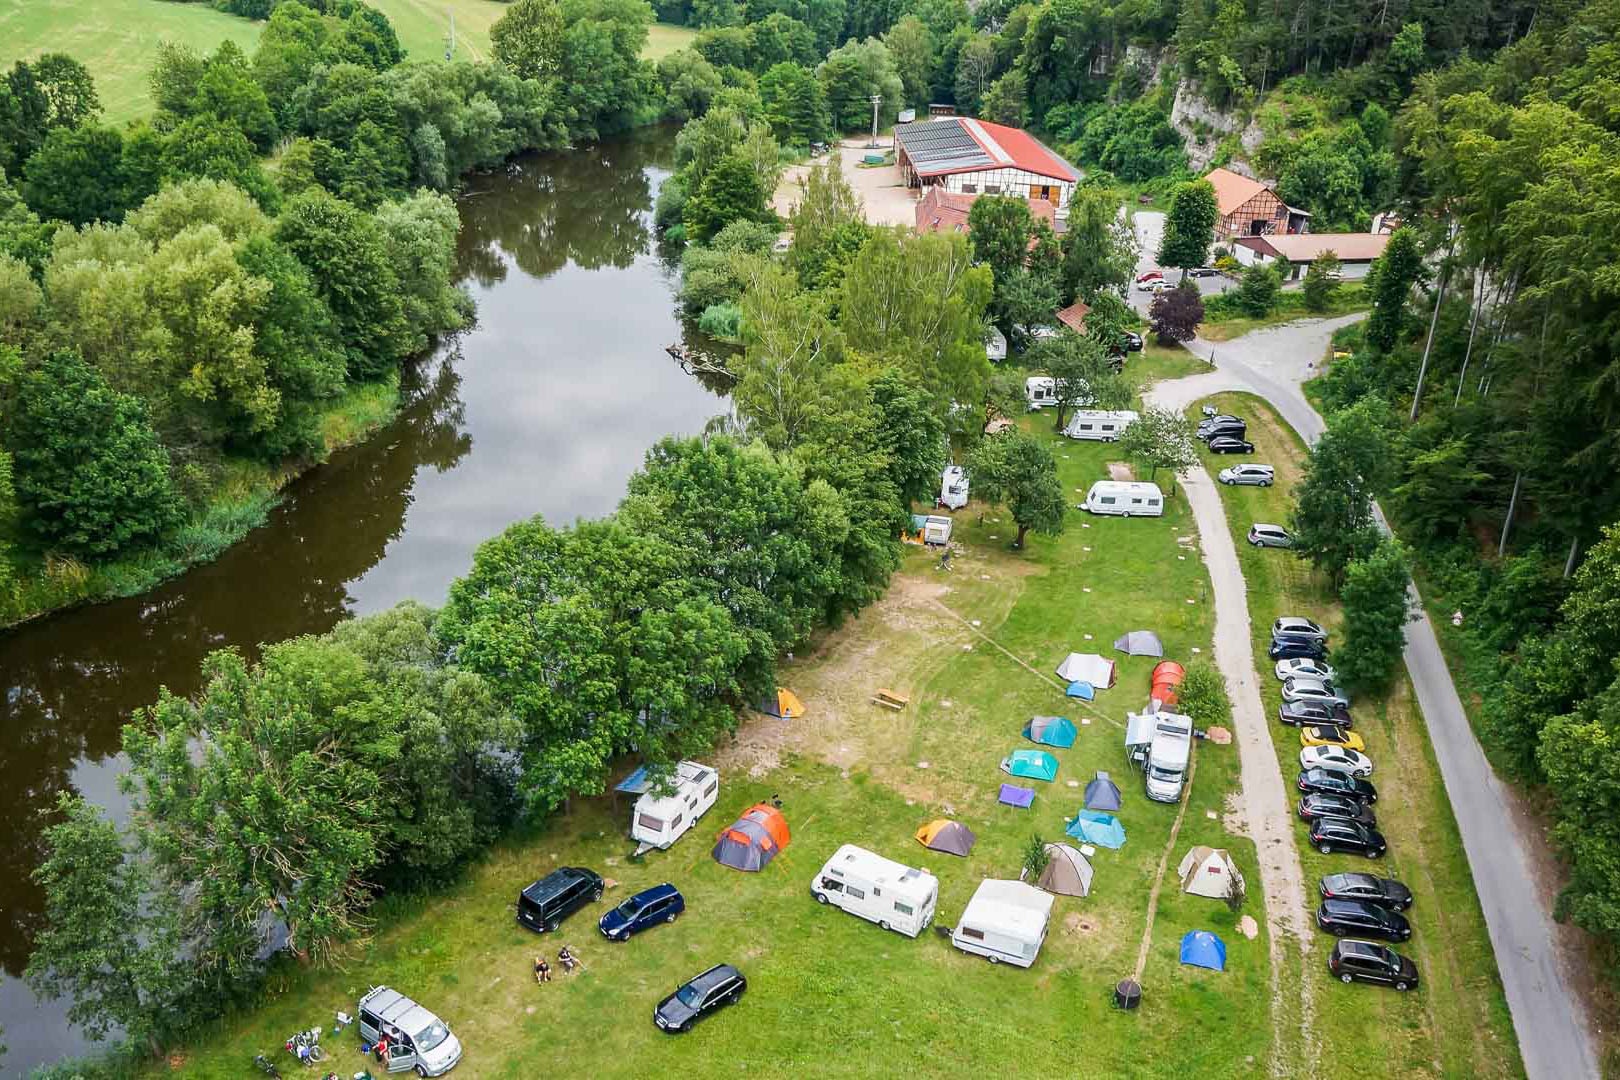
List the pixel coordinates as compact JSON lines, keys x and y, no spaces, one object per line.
{"x":1262,"y":535}
{"x":1296,"y":688}
{"x":1253,"y":475}
{"x":1297,"y":626}
{"x":1304,"y":668}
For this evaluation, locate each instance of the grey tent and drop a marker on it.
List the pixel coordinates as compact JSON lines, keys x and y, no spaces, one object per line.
{"x":1140,"y":643}
{"x":1067,"y":871}
{"x":943,"y":834}
{"x":1102,"y":793}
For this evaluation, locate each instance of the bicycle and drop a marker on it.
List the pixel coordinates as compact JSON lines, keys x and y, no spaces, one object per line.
{"x":306,"y":1047}
{"x":267,"y":1066}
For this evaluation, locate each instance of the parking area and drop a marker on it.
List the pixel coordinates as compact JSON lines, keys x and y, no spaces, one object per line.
{"x":888,"y":201}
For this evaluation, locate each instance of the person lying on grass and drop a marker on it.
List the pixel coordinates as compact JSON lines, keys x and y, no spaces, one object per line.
{"x":542,"y":970}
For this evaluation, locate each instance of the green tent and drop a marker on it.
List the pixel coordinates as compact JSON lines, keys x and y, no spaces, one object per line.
{"x":1030,"y":764}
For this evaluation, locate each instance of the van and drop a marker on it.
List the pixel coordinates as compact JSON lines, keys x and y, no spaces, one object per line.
{"x":417,"y":1039}
{"x":1098,"y":425}
{"x":658,"y":821}
{"x":546,"y":903}
{"x":896,"y":897}
{"x":1126,"y":498}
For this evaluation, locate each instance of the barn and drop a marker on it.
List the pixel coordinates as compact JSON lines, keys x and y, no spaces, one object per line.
{"x":975,"y":157}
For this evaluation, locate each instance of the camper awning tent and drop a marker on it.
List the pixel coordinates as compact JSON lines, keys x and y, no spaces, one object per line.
{"x":1089,"y":668}
{"x":753,"y":840}
{"x":1102,"y":793}
{"x":1139,"y":728}
{"x":636,"y":783}
{"x":1096,"y":827}
{"x":1140,"y":643}
{"x":1050,"y":731}
{"x":783,"y":704}
{"x":1031,"y":765}
{"x":1067,"y":871}
{"x":1206,"y":871}
{"x":1200,"y":948}
{"x":1013,"y":795}
{"x":943,"y":834}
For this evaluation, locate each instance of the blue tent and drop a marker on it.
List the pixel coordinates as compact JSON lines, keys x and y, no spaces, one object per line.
{"x":1030,"y":764}
{"x":1013,"y":795}
{"x":1200,"y":948}
{"x":1082,"y":690}
{"x":1095,"y":827}
{"x":1050,"y":731}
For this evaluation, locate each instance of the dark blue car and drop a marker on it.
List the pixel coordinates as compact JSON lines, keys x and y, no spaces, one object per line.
{"x":659,"y":904}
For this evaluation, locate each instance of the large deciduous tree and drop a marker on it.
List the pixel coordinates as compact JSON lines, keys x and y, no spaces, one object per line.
{"x":1175,"y":314}
{"x":1376,"y":611}
{"x":1018,"y":470}
{"x":527,"y":38}
{"x":1392,"y":278}
{"x":1189,"y":227}
{"x":1351,"y":465}
{"x":1082,"y":375}
{"x":1160,"y":439}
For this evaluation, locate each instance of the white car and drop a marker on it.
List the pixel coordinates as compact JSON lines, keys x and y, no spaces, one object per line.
{"x":1339,"y":759}
{"x":1303,"y":668}
{"x":1160,"y":286}
{"x":1255,"y":475}
{"x":1297,"y":626}
{"x":1298,"y":688}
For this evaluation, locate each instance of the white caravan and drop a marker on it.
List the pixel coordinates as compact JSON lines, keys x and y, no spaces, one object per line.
{"x":657,"y":822}
{"x":1127,"y":498}
{"x":953,"y":488}
{"x":995,"y":345}
{"x":1040,"y":391}
{"x":936,"y":530}
{"x":1098,"y":425}
{"x":1005,"y":922}
{"x":880,"y":890}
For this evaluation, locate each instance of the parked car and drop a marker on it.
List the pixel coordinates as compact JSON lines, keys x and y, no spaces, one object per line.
{"x":1330,"y":735}
{"x":1213,"y":420}
{"x":1160,"y":286}
{"x":1263,"y":535}
{"x":1305,"y":668}
{"x":1296,"y":648}
{"x":544,"y":904}
{"x":1203,"y":271}
{"x":1336,"y":759}
{"x":1149,"y":275}
{"x":1330,"y":834}
{"x":1229,"y":426}
{"x":721,"y":985}
{"x":1251,"y":474}
{"x":1299,"y":688}
{"x":1230,"y":444}
{"x":1346,"y":917}
{"x":1317,"y":805}
{"x":1364,"y":961}
{"x":649,"y":907}
{"x":1133,"y":341}
{"x":1314,"y":712}
{"x":1297,"y":626}
{"x":424,"y":1042}
{"x":1336,"y":783}
{"x":1386,"y":892}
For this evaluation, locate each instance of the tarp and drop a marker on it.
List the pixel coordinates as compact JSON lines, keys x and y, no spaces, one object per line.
{"x":634,"y":784}
{"x":1140,"y":643}
{"x":753,"y":840}
{"x":1207,"y":871}
{"x":1102,"y":793}
{"x":1050,"y":731}
{"x":1013,"y":795}
{"x":1200,"y":948}
{"x":943,"y":834}
{"x":1031,"y":765}
{"x":1082,"y":690}
{"x":1067,"y":871}
{"x":783,"y":705}
{"x":1096,"y":827}
{"x":1087,"y":667}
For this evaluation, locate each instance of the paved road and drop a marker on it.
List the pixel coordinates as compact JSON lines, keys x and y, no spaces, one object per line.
{"x":1553,"y":1028}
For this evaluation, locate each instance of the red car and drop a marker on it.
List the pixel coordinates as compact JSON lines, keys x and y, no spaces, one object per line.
{"x":1151,"y":275}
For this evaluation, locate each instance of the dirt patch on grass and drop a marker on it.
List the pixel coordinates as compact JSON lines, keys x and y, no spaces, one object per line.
{"x":1120,"y":470}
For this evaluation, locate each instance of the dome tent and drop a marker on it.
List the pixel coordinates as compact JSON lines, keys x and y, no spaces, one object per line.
{"x":1095,"y":827}
{"x":943,"y":834}
{"x":1031,"y":765}
{"x":1050,"y":731}
{"x":784,"y":705}
{"x":1067,"y":871}
{"x":1200,"y":948}
{"x":753,"y":840}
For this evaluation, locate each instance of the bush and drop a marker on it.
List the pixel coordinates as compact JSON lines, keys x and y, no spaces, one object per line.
{"x":1175,"y":315}
{"x":1203,"y":695}
{"x":723,"y":321}
{"x":1258,"y":291}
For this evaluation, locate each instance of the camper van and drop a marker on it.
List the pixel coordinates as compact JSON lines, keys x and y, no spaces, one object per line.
{"x":1167,"y":757}
{"x":1005,"y":922}
{"x":953,"y":488}
{"x":1040,"y":391}
{"x":657,"y":822}
{"x":421,"y":1041}
{"x":879,"y":890}
{"x":1098,"y":425}
{"x":1127,"y":498}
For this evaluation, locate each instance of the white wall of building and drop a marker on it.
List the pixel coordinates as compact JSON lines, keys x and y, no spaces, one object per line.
{"x":1008,"y":181}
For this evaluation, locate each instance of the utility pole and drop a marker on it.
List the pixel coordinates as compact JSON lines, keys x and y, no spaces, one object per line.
{"x":877,"y":99}
{"x":450,"y":46}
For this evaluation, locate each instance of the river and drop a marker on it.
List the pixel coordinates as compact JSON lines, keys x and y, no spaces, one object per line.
{"x":546,"y":406}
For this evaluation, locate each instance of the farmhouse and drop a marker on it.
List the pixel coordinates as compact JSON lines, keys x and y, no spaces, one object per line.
{"x":940,"y":210}
{"x":975,"y":157}
{"x":1356,"y":251}
{"x":1250,"y":208}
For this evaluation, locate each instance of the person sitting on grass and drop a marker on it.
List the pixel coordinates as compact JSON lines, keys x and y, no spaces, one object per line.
{"x":542,"y":970}
{"x":568,"y":960}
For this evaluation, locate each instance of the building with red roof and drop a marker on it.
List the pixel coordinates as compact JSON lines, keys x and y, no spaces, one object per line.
{"x":965,"y":156}
{"x":940,"y":210}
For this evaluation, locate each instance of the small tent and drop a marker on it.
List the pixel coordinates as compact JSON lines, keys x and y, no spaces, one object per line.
{"x":1031,"y":765}
{"x":1167,"y":676}
{"x":783,"y":705}
{"x":1050,"y":731}
{"x":1206,"y":871}
{"x":1102,"y":793}
{"x":753,"y":840}
{"x":1013,"y":795}
{"x":943,"y":834}
{"x":1096,"y":827}
{"x":1200,"y":948}
{"x":1087,"y":667}
{"x":1082,"y":690}
{"x":1067,"y":871}
{"x":1140,"y":643}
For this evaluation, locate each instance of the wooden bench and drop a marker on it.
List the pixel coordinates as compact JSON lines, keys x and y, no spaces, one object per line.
{"x":889,"y":699}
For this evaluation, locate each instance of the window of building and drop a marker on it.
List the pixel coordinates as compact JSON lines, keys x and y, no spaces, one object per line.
{"x":971,"y":189}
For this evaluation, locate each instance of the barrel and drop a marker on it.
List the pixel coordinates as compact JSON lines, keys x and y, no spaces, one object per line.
{"x":1128,"y":994}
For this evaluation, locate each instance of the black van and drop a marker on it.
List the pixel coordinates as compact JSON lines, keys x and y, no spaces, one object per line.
{"x":546,"y":903}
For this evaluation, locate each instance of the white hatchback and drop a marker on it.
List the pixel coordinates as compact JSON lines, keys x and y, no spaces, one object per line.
{"x":1339,"y":759}
{"x":1305,"y":668}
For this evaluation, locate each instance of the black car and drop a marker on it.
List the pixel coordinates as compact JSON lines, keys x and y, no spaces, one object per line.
{"x":1383,"y":891}
{"x":1203,"y":271}
{"x":1327,"y":782}
{"x":1330,"y":834}
{"x":1133,"y":341}
{"x":1287,"y":647}
{"x":1357,"y":917}
{"x":719,"y":986}
{"x":546,"y":903}
{"x":1318,"y":804}
{"x":1230,"y":444}
{"x":1353,"y":960}
{"x":1314,"y":712}
{"x":1228,"y":426}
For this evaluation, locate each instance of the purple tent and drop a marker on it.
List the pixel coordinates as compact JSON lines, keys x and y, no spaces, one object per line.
{"x":1013,"y":795}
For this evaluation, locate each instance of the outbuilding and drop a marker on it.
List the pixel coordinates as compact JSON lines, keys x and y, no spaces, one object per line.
{"x":1355,"y":251}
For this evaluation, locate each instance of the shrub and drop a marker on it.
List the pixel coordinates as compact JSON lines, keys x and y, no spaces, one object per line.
{"x":1203,"y":695}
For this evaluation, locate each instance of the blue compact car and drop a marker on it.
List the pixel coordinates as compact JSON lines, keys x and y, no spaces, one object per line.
{"x":659,"y":904}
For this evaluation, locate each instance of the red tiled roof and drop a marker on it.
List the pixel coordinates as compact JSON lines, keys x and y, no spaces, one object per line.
{"x":1022,"y":149}
{"x":1074,"y":316}
{"x":945,"y":211}
{"x":1232,"y":190}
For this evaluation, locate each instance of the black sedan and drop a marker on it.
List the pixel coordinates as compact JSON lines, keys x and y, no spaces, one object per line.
{"x":1319,"y":805}
{"x":1361,"y":919}
{"x":721,"y":985}
{"x":1314,"y":713}
{"x":1383,"y":891}
{"x":1230,"y":444}
{"x":1294,"y":648}
{"x":1330,"y":834}
{"x":1327,"y":782}
{"x":1364,"y":961}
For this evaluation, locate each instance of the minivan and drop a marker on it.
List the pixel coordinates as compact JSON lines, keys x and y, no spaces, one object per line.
{"x":418,"y":1039}
{"x":546,"y":903}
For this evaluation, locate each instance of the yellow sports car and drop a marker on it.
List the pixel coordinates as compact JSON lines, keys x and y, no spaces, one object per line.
{"x":1328,"y":735}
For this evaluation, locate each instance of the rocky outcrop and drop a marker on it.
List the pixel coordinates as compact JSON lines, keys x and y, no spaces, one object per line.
{"x":1205,"y":127}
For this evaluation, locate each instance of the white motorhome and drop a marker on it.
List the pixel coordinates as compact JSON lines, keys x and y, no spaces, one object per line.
{"x":1005,"y":922}
{"x":896,"y":897}
{"x":953,"y":488}
{"x":659,"y":821}
{"x":1040,"y":391}
{"x":1167,"y":756}
{"x":1126,"y":498}
{"x":1098,"y":425}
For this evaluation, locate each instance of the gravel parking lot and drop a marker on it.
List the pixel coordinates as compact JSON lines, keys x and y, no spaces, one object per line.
{"x":888,"y":201}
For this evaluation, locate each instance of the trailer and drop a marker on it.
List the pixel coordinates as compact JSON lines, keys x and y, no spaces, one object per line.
{"x":657,"y":821}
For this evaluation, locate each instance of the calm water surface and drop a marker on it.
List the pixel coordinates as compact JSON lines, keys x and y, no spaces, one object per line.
{"x":545,"y":407}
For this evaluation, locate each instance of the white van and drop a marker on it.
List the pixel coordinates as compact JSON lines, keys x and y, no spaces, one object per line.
{"x":896,"y":897}
{"x":419,"y":1040}
{"x":953,"y":488}
{"x":1098,"y":424}
{"x":1005,"y":922}
{"x":1127,"y":498}
{"x":659,"y":822}
{"x":1040,"y":391}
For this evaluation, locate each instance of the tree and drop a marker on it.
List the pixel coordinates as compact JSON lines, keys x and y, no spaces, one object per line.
{"x":915,"y":55}
{"x":70,"y":92}
{"x":1350,"y":466}
{"x":1376,"y":611}
{"x":852,"y":75}
{"x":690,"y":84}
{"x":1018,"y":470}
{"x":794,"y":105}
{"x":1189,"y":227}
{"x":975,"y":71}
{"x":1007,"y":100}
{"x":1258,"y":291}
{"x":1202,"y":695}
{"x":227,"y":91}
{"x":527,"y":38}
{"x":730,"y":192}
{"x":1035,"y":859}
{"x":80,"y":175}
{"x":1174,"y":315}
{"x":1082,"y":375}
{"x":781,"y":39}
{"x":1160,"y":439}
{"x":604,"y":80}
{"x":789,"y":346}
{"x":1099,"y":252}
{"x":1321,"y":282}
{"x":1390,"y":282}
{"x":911,"y":434}
{"x":419,"y":236}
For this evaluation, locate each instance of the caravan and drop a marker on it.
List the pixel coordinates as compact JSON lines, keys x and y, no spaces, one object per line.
{"x":879,"y":890}
{"x":1127,"y":498}
{"x":657,"y":822}
{"x":1005,"y":922}
{"x":1040,"y":391}
{"x":953,"y":488}
{"x":1098,"y":425}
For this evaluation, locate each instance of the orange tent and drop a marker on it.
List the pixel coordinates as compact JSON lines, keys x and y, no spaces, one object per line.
{"x":753,"y":840}
{"x":1168,"y":671}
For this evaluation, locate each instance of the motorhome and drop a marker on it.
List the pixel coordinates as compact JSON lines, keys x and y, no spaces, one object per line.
{"x":1167,"y":757}
{"x":953,"y":488}
{"x":896,"y":897}
{"x":1040,"y":391}
{"x":1005,"y":922}
{"x":659,"y":820}
{"x":1126,"y":498}
{"x":1098,"y":425}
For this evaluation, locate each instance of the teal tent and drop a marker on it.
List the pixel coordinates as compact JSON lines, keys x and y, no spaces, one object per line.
{"x":1095,"y":827}
{"x":1030,"y":764}
{"x":1050,"y":731}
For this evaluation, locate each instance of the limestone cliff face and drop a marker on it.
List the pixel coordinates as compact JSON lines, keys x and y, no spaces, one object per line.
{"x":1205,"y":127}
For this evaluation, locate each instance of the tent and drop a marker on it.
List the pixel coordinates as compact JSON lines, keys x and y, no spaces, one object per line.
{"x":1096,"y":827}
{"x":1140,"y":643}
{"x":1083,"y":690}
{"x":1087,"y":667}
{"x":784,"y":705}
{"x":1200,"y":948}
{"x":1050,"y":731}
{"x":1067,"y":871}
{"x":943,"y":834}
{"x":753,"y":840}
{"x":1206,"y":871}
{"x":1102,"y":793}
{"x":1013,"y":795}
{"x":1031,"y":765}
{"x":1167,"y":676}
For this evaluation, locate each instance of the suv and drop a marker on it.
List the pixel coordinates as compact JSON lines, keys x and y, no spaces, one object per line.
{"x":1222,"y":425}
{"x":1353,"y":960}
{"x":1263,"y":535}
{"x":546,"y":903}
{"x":1358,"y":917}
{"x":1297,"y":648}
{"x":1300,"y":688}
{"x":1317,"y":805}
{"x":719,"y":986}
{"x":1337,"y":783}
{"x":1257,"y":475}
{"x":419,"y":1039}
{"x":1330,"y":834}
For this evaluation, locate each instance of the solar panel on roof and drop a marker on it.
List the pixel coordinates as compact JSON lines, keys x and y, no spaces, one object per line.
{"x":940,"y":146}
